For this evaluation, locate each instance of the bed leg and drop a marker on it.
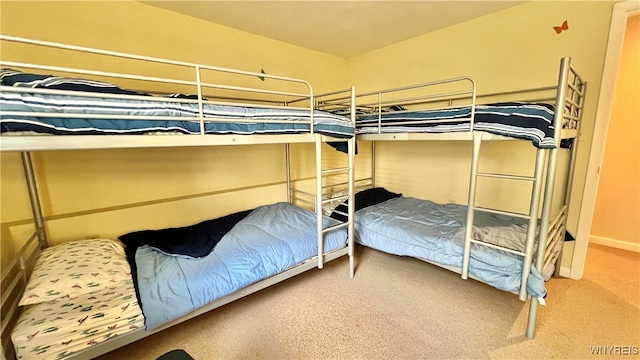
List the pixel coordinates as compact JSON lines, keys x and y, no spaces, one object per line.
{"x":468,"y":234}
{"x":318,"y":201}
{"x":352,"y":269}
{"x":287,"y":159}
{"x":533,"y":312}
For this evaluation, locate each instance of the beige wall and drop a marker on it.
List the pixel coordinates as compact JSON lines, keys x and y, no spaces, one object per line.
{"x":616,"y":215}
{"x":137,"y":28}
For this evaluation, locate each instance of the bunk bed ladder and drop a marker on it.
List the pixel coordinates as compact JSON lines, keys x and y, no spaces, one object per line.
{"x":320,"y":200}
{"x":532,"y":216}
{"x":349,"y":170}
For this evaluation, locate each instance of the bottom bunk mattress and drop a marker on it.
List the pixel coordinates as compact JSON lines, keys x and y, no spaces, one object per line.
{"x":435,"y":233}
{"x":252,"y":246}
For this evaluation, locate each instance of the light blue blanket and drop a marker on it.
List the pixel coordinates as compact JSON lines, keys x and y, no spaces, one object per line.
{"x":269,"y":240}
{"x":433,"y":232}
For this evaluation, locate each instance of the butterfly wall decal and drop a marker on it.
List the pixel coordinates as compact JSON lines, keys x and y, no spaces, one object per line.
{"x":564,"y":26}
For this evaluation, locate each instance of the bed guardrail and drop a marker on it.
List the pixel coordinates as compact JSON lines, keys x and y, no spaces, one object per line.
{"x":435,"y":95}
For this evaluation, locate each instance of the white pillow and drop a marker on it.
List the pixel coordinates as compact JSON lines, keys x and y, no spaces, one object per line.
{"x":75,"y":268}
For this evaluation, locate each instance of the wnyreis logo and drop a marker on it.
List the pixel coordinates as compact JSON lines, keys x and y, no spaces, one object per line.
{"x":614,"y":350}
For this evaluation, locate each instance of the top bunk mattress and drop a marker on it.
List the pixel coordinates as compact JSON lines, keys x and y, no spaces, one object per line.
{"x":105,"y":109}
{"x":530,"y":121}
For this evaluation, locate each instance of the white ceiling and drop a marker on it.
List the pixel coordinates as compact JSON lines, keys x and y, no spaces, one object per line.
{"x":341,"y":28}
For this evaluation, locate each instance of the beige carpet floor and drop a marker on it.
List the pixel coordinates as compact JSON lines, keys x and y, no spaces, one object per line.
{"x":402,"y":308}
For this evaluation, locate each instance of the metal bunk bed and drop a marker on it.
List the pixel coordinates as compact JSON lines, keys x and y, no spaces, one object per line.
{"x":390,"y":115}
{"x":305,"y":130}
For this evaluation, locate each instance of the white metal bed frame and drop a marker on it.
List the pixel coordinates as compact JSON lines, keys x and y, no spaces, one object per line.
{"x":16,"y":273}
{"x":569,"y":100}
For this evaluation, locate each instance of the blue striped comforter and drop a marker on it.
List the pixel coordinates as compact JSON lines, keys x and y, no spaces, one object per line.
{"x":531,"y":121}
{"x":219,"y":119}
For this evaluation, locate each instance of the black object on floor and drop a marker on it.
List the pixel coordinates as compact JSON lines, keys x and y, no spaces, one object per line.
{"x":178,"y":354}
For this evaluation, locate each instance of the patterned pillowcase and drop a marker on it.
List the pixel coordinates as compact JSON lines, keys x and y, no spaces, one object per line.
{"x":75,"y":268}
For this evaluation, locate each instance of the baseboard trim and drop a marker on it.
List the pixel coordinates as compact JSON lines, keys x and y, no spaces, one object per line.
{"x":618,"y":244}
{"x":564,"y":271}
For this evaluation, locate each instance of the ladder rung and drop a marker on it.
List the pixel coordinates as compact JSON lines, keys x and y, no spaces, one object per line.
{"x":339,"y":198}
{"x":340,"y":213}
{"x":334,"y":185}
{"x":334,"y":227}
{"x":500,"y":212}
{"x":330,"y":171}
{"x":497,"y":247}
{"x":505,"y":176}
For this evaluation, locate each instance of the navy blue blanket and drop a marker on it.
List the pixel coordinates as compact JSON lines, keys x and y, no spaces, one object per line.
{"x":365,"y":199}
{"x":193,"y":241}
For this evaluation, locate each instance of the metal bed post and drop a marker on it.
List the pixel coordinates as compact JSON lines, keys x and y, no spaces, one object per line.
{"x":34,"y":198}
{"x":544,"y":232}
{"x":473,"y":181}
{"x":373,"y":163}
{"x":288,"y":170}
{"x":534,"y":206}
{"x":318,"y":202}
{"x":351,"y":144}
{"x":550,"y":183}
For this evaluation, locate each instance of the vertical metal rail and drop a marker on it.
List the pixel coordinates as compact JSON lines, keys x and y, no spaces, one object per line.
{"x":473,"y":181}
{"x":373,"y":163}
{"x":534,"y":205}
{"x":200,"y":104}
{"x":472,"y":119}
{"x":379,"y":113}
{"x":34,"y":198}
{"x":287,"y":159}
{"x":561,"y":94}
{"x":351,"y":144}
{"x":318,"y":202}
